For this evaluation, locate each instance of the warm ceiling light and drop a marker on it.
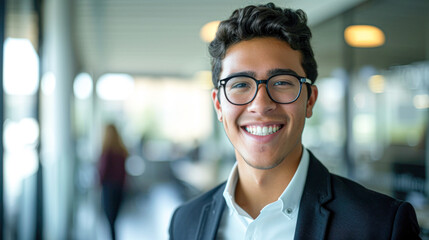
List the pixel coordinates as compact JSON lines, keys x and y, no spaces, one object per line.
{"x":208,"y":31}
{"x":364,"y":36}
{"x":376,"y":84}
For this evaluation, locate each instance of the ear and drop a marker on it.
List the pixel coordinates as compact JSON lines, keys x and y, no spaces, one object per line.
{"x":216,"y":104}
{"x":311,"y":101}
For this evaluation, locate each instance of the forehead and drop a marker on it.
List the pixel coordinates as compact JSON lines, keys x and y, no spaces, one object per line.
{"x":260,"y":55}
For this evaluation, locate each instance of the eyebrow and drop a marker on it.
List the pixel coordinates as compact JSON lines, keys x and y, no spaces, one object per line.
{"x":277,"y":71}
{"x":271,"y":72}
{"x":245,"y":73}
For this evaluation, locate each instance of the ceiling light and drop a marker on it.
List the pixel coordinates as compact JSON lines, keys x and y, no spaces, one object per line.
{"x":364,"y":36}
{"x":114,"y":86}
{"x":208,"y":31}
{"x":376,"y":83}
{"x":421,"y":101}
{"x":21,"y":67}
{"x":82,"y":86}
{"x":48,"y":83}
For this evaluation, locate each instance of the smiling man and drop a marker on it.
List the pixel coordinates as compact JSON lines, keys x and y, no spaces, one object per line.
{"x":264,"y":73}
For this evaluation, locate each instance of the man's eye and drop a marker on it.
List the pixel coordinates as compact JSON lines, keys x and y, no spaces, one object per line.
{"x":283,"y":83}
{"x":240,"y":85}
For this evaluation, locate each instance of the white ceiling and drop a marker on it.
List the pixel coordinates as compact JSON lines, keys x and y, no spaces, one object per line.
{"x":162,"y":37}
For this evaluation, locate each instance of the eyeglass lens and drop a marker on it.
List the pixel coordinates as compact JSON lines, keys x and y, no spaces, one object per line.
{"x":281,"y":88}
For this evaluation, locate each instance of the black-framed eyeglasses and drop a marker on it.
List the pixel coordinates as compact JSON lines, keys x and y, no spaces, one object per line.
{"x":281,"y":88}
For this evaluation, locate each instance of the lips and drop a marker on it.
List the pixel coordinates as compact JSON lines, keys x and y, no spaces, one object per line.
{"x":265,"y":130}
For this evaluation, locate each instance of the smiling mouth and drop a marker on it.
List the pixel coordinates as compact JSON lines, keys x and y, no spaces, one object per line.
{"x":263,"y":130}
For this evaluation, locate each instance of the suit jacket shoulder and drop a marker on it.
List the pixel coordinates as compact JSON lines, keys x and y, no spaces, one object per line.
{"x":382,"y":216}
{"x":333,"y":207}
{"x":200,"y":217}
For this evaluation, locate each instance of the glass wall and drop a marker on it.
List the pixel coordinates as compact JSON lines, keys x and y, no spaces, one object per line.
{"x":372,"y":123}
{"x":21,"y":123}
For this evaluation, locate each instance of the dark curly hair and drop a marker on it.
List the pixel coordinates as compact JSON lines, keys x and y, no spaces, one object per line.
{"x":264,"y":21}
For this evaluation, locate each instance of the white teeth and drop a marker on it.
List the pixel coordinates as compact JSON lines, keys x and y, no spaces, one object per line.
{"x":258,"y":131}
{"x":262,"y":131}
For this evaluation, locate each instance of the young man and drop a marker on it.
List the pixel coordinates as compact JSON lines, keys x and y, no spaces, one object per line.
{"x":263,"y":72}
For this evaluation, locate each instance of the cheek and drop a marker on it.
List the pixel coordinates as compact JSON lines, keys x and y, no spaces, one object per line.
{"x":297,"y":112}
{"x":230,"y":115}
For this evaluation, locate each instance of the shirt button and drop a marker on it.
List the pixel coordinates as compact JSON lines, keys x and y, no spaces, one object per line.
{"x":289,"y":210}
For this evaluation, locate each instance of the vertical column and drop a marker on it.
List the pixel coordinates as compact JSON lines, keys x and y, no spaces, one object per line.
{"x":57,"y":151}
{"x":39,"y":175}
{"x":2,"y":34}
{"x":426,"y":147}
{"x":348,"y":59}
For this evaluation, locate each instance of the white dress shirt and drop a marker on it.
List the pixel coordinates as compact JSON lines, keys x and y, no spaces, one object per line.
{"x":277,"y":220}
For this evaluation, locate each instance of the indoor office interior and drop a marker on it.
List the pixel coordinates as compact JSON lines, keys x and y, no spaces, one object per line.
{"x":70,"y":67}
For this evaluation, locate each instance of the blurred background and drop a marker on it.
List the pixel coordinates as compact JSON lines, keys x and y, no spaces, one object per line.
{"x":69,"y":67}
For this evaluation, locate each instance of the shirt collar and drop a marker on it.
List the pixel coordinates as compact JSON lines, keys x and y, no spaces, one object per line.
{"x":290,"y":198}
{"x":229,"y":191}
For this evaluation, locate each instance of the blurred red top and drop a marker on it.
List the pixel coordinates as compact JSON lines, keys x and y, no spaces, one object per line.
{"x":112,"y":168}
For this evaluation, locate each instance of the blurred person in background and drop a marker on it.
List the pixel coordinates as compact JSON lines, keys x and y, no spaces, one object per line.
{"x":263,"y":70}
{"x":112,"y":174}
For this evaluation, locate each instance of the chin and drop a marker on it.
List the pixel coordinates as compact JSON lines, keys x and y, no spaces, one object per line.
{"x":263,"y":166}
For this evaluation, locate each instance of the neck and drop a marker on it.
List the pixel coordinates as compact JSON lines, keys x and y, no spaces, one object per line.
{"x":257,"y":188}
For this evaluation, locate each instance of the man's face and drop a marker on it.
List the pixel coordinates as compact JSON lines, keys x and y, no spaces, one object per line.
{"x":258,"y":57}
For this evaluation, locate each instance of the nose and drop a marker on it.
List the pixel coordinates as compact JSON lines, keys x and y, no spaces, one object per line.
{"x":262,"y":103}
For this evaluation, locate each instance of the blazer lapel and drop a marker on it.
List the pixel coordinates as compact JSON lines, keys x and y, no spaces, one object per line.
{"x":211,"y":216}
{"x":313,"y":216}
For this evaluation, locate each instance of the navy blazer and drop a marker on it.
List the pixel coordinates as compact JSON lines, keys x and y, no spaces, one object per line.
{"x":331,"y":207}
